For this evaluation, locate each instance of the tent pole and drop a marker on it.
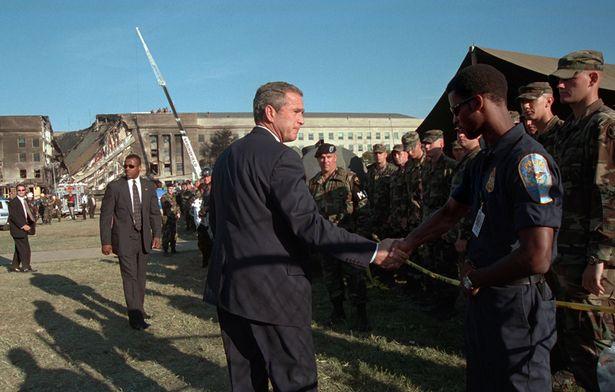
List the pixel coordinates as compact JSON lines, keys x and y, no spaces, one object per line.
{"x":473,"y":59}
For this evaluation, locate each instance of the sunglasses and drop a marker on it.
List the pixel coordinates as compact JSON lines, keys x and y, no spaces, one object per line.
{"x":129,"y":166}
{"x":21,"y":190}
{"x":457,"y":108}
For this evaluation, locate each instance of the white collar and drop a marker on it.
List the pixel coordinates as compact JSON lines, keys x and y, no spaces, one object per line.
{"x":269,"y":130}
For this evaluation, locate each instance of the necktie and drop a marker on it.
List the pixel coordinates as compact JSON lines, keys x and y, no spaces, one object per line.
{"x":136,"y":206}
{"x":28,"y":211}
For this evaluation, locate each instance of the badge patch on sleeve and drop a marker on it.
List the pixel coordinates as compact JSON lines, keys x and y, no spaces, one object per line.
{"x":536,"y":177}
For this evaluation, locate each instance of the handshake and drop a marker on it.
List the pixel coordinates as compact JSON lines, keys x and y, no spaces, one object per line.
{"x":392,"y":253}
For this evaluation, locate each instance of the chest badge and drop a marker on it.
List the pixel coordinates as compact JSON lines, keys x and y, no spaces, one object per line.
{"x":490,"y":185}
{"x":536,"y":177}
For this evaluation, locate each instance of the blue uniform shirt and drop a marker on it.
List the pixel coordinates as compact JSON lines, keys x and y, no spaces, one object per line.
{"x":512,"y":185}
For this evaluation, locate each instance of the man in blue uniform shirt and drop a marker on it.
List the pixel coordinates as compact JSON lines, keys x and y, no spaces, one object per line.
{"x":512,"y":192}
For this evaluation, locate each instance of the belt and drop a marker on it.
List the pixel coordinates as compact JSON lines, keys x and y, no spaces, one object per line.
{"x":532,"y":279}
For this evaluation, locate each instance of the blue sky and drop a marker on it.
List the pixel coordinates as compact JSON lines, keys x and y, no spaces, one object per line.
{"x":71,"y":60}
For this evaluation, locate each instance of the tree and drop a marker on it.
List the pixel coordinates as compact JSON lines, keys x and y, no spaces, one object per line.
{"x":219,"y":141}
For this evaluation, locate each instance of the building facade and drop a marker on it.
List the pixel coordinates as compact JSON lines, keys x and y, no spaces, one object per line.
{"x":26,"y":150}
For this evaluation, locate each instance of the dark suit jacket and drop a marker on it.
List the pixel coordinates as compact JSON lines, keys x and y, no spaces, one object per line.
{"x":116,"y":221}
{"x":264,"y":221}
{"x":17,"y":219}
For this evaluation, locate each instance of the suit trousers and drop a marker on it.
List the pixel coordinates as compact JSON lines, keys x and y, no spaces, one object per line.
{"x":133,"y":263}
{"x":22,"y":253}
{"x":257,"y":352}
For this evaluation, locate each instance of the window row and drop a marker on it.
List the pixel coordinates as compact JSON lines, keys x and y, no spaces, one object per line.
{"x":23,"y":157}
{"x":331,"y":136}
{"x":23,"y":173}
{"x":21,"y":142}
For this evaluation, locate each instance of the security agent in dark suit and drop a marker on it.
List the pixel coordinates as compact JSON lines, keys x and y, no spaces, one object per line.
{"x":21,"y":224}
{"x":130,"y":226}
{"x":264,"y":219}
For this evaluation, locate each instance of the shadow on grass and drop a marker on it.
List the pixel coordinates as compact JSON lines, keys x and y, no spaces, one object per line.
{"x":40,"y":379}
{"x":99,"y":350}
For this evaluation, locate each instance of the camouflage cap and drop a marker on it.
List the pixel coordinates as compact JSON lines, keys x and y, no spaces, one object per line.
{"x":325,"y":148}
{"x":432,"y":135}
{"x":379,"y":148}
{"x":398,"y":148}
{"x":409,"y":140}
{"x":581,"y":60}
{"x":534,"y":90}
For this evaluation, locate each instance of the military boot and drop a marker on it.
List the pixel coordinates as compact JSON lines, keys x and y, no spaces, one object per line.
{"x":337,"y":314}
{"x":362,"y":323}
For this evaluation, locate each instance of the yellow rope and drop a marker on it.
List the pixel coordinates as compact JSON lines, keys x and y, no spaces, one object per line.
{"x":561,"y":304}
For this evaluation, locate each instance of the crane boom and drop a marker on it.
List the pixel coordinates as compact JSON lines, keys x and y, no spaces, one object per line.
{"x":196,"y":168}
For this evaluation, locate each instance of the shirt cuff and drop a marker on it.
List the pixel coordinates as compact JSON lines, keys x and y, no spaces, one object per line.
{"x":375,"y":253}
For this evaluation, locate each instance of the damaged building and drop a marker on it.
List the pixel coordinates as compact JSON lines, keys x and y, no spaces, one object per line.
{"x":26,"y":151}
{"x":95,"y":155}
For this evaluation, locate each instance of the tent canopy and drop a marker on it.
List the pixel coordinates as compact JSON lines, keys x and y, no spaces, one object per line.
{"x":520,"y":69}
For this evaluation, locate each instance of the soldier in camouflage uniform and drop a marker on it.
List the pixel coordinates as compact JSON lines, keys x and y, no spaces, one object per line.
{"x":398,"y":196}
{"x":414,"y":179}
{"x":45,"y":202}
{"x":458,"y":151}
{"x":377,"y":187}
{"x":56,"y":202}
{"x":170,"y":215}
{"x":536,"y":100}
{"x":438,"y":256}
{"x":339,"y":199}
{"x":585,"y":267}
{"x":463,"y":230}
{"x":204,"y":239}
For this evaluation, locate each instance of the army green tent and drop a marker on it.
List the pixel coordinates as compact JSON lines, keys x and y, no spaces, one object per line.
{"x":520,"y":69}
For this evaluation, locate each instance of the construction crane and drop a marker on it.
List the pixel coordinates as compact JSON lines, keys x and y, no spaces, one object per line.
{"x":196,"y":168}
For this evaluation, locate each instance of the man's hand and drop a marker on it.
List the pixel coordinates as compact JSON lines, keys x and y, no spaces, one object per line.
{"x":107,"y":249}
{"x":465,"y":270}
{"x":25,"y":227}
{"x":461,"y":245}
{"x":592,"y":278}
{"x":389,"y":257}
{"x":156,"y":243}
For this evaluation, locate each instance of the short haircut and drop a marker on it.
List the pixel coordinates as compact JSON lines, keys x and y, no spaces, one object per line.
{"x":21,"y":184}
{"x":274,"y":94}
{"x":479,"y":79}
{"x":133,"y":156}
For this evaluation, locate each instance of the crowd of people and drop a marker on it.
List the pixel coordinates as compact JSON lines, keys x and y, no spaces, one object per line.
{"x":522,"y":213}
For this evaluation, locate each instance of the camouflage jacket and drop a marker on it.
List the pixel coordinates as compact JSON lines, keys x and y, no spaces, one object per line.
{"x":170,"y":209}
{"x":377,"y":187}
{"x":585,"y":152}
{"x":464,"y":227}
{"x":547,"y":136}
{"x":339,"y":198}
{"x":398,"y":199}
{"x":414,"y":191}
{"x":205,"y":201}
{"x":437,"y":184}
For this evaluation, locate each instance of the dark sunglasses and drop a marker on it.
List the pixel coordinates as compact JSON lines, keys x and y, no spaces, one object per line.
{"x":129,"y":166}
{"x":457,"y":108}
{"x":21,"y":190}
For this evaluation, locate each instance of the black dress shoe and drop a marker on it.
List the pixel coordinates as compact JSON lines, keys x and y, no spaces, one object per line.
{"x":12,"y":269}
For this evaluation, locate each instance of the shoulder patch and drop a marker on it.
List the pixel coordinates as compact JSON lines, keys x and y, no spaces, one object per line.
{"x":536,"y":177}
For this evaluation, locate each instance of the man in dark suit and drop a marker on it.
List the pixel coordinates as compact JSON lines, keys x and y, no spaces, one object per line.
{"x":130,"y":226}
{"x":264,"y":220}
{"x":21,"y":224}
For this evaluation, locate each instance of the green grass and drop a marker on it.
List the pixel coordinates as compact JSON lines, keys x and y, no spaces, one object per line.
{"x":64,"y":328}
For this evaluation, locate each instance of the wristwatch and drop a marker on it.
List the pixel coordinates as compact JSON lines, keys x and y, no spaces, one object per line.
{"x":593,"y":260}
{"x":467,"y":283}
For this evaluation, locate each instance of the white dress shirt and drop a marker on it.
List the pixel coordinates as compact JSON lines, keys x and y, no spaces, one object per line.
{"x":138,"y":182}
{"x":23,"y":204}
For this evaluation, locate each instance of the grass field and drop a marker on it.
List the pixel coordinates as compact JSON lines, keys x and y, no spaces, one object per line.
{"x":64,"y":328}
